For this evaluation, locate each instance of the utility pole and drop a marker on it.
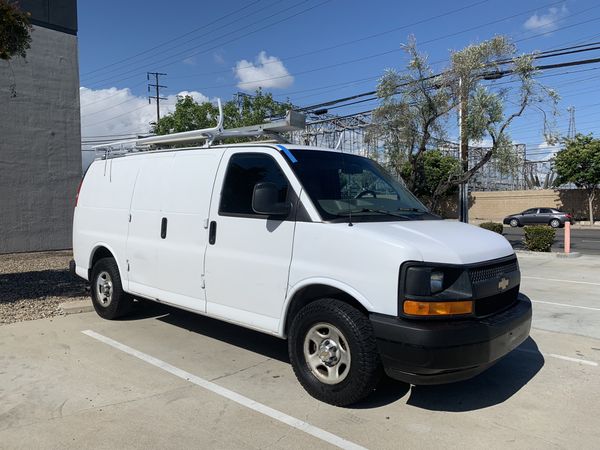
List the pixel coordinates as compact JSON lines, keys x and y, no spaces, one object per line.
{"x":463,"y":188}
{"x":156,"y":87}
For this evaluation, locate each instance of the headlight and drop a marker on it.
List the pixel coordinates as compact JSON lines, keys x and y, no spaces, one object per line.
{"x":436,"y":282}
{"x":419,"y":281}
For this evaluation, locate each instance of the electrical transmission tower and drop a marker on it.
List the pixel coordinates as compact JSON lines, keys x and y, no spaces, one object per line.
{"x":156,"y":87}
{"x":572,"y":130}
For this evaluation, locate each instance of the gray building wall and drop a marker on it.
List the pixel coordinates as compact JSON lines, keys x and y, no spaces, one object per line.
{"x":40,"y":143}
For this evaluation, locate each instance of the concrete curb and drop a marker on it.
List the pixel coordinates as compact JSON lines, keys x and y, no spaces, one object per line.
{"x":549,"y":255}
{"x":80,"y":306}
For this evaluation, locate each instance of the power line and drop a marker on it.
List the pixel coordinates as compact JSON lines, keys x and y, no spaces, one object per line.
{"x":498,"y":73}
{"x":370,"y":56}
{"x":203,"y":27}
{"x":350,"y":61}
{"x":353,"y":41}
{"x":163,"y":63}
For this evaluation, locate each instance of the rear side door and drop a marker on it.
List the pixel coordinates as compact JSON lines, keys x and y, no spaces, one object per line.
{"x":184,"y":228}
{"x":544,"y":216}
{"x":249,"y":255}
{"x":143,"y":240}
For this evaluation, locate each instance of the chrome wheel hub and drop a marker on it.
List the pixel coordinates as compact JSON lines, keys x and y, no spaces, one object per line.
{"x":327,"y":353}
{"x":104,"y":288}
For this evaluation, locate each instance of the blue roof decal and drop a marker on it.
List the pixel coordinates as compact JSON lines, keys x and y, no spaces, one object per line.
{"x":287,"y":152}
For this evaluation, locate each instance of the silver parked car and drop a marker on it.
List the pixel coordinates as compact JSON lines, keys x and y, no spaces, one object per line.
{"x":539,"y":216}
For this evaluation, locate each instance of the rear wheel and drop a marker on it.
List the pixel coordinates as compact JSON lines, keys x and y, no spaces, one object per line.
{"x":333,"y":352}
{"x":514,"y":223}
{"x":555,"y":223}
{"x":108,"y":297}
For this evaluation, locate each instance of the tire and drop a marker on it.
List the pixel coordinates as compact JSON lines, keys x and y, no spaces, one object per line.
{"x":108,"y":297}
{"x":332,"y":328}
{"x":514,"y":223}
{"x":555,"y":223}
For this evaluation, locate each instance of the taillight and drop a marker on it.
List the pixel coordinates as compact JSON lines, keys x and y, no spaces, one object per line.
{"x":77,"y":195}
{"x":568,"y":216}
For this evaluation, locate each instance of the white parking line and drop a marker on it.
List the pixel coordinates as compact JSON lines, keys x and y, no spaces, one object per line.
{"x":565,"y":305}
{"x":230,"y":395}
{"x":564,"y":358}
{"x":562,"y":281}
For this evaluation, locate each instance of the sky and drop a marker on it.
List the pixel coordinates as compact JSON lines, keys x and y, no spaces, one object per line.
{"x":312,"y":51}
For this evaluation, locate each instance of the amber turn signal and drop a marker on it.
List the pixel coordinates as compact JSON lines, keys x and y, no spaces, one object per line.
{"x":415,"y":308}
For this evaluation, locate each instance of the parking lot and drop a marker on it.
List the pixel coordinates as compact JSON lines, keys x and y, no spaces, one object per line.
{"x":169,"y":379}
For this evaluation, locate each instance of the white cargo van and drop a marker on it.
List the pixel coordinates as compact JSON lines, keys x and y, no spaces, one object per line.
{"x":310,"y":244}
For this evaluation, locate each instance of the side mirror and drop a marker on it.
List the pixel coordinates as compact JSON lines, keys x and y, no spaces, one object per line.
{"x":264,"y":200}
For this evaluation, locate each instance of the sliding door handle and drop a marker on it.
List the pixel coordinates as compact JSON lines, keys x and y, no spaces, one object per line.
{"x":212,"y":233}
{"x":163,"y":228}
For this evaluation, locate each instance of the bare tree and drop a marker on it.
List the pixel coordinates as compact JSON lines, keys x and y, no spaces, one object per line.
{"x":417,"y":104}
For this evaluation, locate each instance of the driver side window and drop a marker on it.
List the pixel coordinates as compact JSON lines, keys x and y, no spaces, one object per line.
{"x":243,"y":172}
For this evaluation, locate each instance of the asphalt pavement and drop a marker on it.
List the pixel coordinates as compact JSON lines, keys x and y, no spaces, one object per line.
{"x":165,"y":378}
{"x":583,"y":240}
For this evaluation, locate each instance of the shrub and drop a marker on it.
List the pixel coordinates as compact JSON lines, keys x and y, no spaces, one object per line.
{"x":492,"y":226}
{"x":539,"y":238}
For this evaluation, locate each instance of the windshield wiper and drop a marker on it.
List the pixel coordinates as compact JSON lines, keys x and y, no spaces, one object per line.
{"x":379,"y":211}
{"x":417,"y":210}
{"x":386,"y":212}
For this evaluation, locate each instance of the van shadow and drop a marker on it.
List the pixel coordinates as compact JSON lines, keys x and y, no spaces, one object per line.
{"x":494,"y":386}
{"x":39,"y":285}
{"x":253,"y":341}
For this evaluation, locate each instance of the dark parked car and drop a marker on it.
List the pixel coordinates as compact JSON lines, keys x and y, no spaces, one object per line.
{"x":540,"y":216}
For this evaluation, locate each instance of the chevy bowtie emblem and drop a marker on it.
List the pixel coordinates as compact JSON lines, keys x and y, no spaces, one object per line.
{"x":503,"y":283}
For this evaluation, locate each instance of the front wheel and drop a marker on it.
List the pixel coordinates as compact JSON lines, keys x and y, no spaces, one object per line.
{"x":108,"y":297}
{"x":333,"y":352}
{"x":555,"y":223}
{"x":514,"y":223}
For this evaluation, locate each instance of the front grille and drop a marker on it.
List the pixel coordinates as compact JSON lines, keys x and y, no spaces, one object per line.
{"x":491,"y":271}
{"x":496,"y":303}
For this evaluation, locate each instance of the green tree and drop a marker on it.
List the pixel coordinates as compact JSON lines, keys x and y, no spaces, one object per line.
{"x":433,"y":169}
{"x":15,"y":30}
{"x":190,"y":115}
{"x":416,"y":106}
{"x":579,"y":163}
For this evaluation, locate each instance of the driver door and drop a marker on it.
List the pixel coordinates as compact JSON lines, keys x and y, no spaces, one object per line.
{"x":249,"y":255}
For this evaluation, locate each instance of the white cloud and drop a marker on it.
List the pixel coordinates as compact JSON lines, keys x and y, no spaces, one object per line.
{"x":546,"y":22}
{"x":197,"y":96}
{"x":267,"y":72}
{"x":119,"y":112}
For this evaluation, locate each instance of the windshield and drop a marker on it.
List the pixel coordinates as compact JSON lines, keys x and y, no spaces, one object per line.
{"x":341,"y":185}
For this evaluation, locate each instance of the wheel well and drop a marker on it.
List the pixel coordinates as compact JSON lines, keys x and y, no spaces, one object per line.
{"x":99,"y":253}
{"x":314,"y":292}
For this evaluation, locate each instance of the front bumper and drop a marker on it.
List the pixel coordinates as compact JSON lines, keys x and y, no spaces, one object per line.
{"x":436,"y":352}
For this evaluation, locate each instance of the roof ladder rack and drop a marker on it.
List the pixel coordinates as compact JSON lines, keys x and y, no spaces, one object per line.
{"x":293,"y":121}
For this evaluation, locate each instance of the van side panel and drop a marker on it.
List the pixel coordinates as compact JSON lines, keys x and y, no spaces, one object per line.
{"x":145,"y":227}
{"x":102,"y":213}
{"x":186,"y":209}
